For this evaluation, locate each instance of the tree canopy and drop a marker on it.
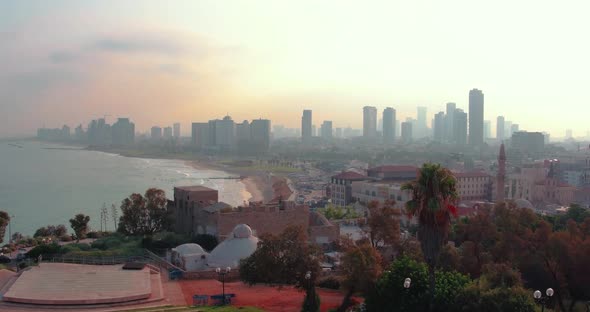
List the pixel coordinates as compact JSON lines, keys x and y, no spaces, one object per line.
{"x":4,"y":220}
{"x":282,"y":259}
{"x":144,"y":215}
{"x":80,"y":225}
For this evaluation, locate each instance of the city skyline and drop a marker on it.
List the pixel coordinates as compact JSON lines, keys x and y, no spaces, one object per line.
{"x":198,"y":60}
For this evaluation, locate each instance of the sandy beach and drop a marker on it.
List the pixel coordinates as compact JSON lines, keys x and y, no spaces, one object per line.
{"x":261,"y":185}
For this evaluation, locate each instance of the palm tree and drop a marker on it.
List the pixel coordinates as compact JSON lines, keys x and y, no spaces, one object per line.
{"x":433,"y":198}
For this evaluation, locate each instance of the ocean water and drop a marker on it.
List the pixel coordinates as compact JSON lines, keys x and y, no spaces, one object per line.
{"x":41,"y":185}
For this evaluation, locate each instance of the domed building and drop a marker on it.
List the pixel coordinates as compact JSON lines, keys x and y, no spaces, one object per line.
{"x":523,"y":203}
{"x":191,"y":257}
{"x":241,"y":244}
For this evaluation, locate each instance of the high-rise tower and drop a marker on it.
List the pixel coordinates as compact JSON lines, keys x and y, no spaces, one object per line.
{"x":306,"y":128}
{"x":388,"y":125}
{"x":369,"y":123}
{"x":501,"y":177}
{"x":476,"y":117}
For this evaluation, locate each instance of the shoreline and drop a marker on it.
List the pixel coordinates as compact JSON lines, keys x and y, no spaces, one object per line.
{"x":261,"y":185}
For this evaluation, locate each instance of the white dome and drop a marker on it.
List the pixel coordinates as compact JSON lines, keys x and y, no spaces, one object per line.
{"x":242,"y":231}
{"x":232,"y":250}
{"x":189,"y":249}
{"x":523,"y":203}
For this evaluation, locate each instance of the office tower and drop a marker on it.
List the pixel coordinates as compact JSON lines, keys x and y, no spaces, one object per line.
{"x":449,"y":118}
{"x":389,"y":125}
{"x":243,"y":135}
{"x":531,"y":143}
{"x":421,"y":126}
{"x":514,"y":128}
{"x":460,"y":127}
{"x":326,"y":130}
{"x":476,"y":117}
{"x":168,"y":132}
{"x":569,"y":134}
{"x":398,"y":127}
{"x":487,"y":129}
{"x":306,"y":127}
{"x":177,"y":130}
{"x":547,"y":137}
{"x":501,"y":177}
{"x":314,"y":131}
{"x":508,"y":128}
{"x":79,"y":133}
{"x":338,"y":132}
{"x":380,"y":125}
{"x":438,"y":126}
{"x":156,"y":133}
{"x":406,"y":131}
{"x":260,"y":133}
{"x":500,"y":126}
{"x":225,"y":133}
{"x":369,"y":122}
{"x":200,"y":134}
{"x":123,"y":132}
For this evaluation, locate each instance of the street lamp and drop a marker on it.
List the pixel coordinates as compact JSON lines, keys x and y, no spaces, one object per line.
{"x":310,"y":293}
{"x":542,"y":300}
{"x":221,"y":273}
{"x":407,"y":283}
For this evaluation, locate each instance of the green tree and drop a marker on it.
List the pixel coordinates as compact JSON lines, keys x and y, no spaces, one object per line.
{"x":383,"y":223}
{"x":361,"y":266}
{"x":282,"y":259}
{"x":144,"y":215}
{"x":207,"y":241}
{"x":433,"y":196}
{"x":80,"y":226}
{"x":4,"y":220}
{"x":389,"y":294}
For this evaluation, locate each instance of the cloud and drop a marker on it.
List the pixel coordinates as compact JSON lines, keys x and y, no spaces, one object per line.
{"x":141,"y":44}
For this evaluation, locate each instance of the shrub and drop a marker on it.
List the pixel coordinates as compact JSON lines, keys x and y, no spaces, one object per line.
{"x":46,"y":250}
{"x":207,"y":241}
{"x":66,"y":238}
{"x":329,"y":282}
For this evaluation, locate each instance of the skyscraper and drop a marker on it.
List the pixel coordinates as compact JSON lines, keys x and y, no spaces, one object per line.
{"x":500,"y":126}
{"x":123,"y":132}
{"x":500,"y":178}
{"x":421,"y":126}
{"x":260,"y":134}
{"x":326,"y":130}
{"x":156,"y":133}
{"x":476,"y":117}
{"x":406,"y":131}
{"x":449,"y":120}
{"x":369,"y":122}
{"x":306,"y":127}
{"x":200,"y":134}
{"x":389,"y":125}
{"x":460,"y":127}
{"x":439,"y":126}
{"x":487,"y":129}
{"x":168,"y":132}
{"x":176,"y":130}
{"x":225,"y":133}
{"x":514,"y":128}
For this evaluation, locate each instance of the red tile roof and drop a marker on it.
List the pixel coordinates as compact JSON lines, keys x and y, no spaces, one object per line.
{"x":350,"y":175}
{"x":394,"y":168}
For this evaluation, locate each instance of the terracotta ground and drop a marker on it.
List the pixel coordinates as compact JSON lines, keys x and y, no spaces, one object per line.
{"x":267,"y":298}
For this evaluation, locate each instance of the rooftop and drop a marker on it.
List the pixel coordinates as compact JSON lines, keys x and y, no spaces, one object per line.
{"x":394,"y":168}
{"x":194,"y":188}
{"x":350,"y":175}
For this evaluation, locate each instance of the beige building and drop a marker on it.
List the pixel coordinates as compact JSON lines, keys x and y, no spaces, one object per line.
{"x":380,"y":191}
{"x":474,"y":185}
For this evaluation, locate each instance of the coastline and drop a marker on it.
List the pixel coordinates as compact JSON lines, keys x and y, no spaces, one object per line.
{"x":260,"y":185}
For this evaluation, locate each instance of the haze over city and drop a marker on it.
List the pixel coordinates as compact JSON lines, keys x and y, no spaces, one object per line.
{"x":70,"y":61}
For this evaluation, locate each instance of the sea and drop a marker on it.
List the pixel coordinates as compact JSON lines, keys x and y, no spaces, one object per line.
{"x":47,"y":184}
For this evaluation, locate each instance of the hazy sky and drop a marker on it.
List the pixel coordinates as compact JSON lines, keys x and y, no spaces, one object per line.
{"x":164,"y":61}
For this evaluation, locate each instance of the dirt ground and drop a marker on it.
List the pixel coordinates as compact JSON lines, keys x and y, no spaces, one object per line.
{"x":268,"y":298}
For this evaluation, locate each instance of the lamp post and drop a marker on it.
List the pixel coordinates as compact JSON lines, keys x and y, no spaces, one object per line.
{"x":310,"y":293}
{"x":407,"y":283}
{"x":221,"y":274}
{"x":543,"y":300}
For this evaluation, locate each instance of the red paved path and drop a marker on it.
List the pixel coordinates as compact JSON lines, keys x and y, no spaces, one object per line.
{"x":268,"y":298}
